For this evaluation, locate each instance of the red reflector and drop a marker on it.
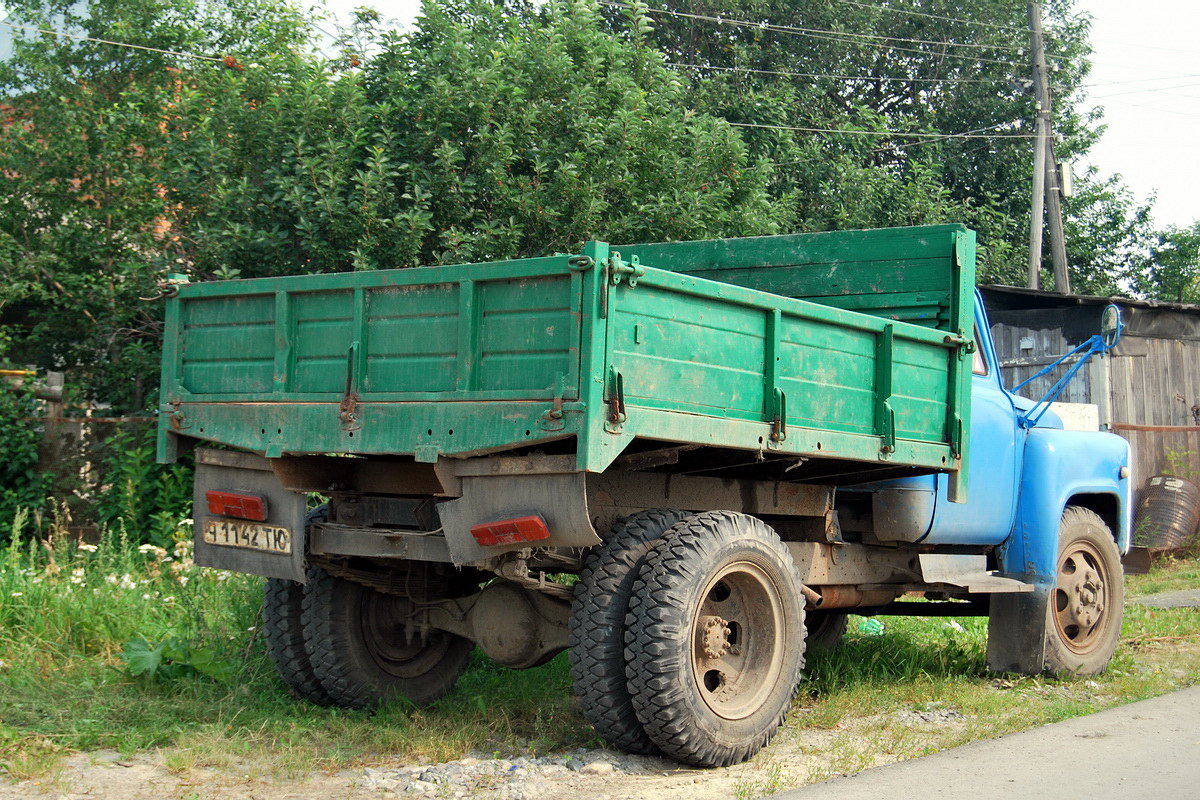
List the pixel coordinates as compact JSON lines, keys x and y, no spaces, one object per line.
{"x":511,"y":531}
{"x":242,"y":506}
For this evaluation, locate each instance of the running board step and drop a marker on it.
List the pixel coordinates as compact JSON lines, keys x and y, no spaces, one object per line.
{"x":968,"y":571}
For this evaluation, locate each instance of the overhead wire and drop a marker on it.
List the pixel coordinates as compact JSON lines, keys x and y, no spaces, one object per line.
{"x":927,"y":15}
{"x":787,"y":74}
{"x":51,"y":32}
{"x":905,"y":134}
{"x":858,"y":39}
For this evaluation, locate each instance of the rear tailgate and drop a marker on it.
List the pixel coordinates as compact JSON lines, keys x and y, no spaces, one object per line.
{"x":396,"y":361}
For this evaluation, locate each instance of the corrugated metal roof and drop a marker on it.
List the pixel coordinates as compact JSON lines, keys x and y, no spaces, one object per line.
{"x":1054,"y":298}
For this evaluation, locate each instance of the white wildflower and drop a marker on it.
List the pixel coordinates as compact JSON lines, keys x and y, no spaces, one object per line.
{"x":88,"y":548}
{"x":145,"y":597}
{"x":154,"y":550}
{"x":111,"y":580}
{"x":77,"y":576}
{"x":183,"y":579}
{"x":127,"y":581}
{"x":18,"y":594}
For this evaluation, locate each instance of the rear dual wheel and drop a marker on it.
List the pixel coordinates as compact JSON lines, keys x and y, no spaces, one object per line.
{"x":597,"y":627}
{"x":337,"y":642}
{"x":715,"y":639}
{"x":687,"y":635}
{"x":360,"y":652}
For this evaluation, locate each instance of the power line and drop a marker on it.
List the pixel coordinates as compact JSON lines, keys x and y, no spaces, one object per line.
{"x":836,"y":36}
{"x":1147,"y":90}
{"x":1175,"y":77}
{"x":907,"y":134}
{"x":926,"y":15}
{"x":965,"y":135}
{"x":50,"y":32}
{"x":784,"y":73}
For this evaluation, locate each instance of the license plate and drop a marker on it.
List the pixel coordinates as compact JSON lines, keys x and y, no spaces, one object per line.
{"x":250,"y":535}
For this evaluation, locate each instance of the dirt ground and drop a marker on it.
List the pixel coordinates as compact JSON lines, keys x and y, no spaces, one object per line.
{"x":790,"y":761}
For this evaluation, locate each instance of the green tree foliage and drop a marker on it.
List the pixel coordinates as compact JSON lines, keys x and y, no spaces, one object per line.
{"x":875,"y":67}
{"x":1172,"y":271}
{"x":493,"y":130}
{"x":82,"y":156}
{"x":485,"y":135}
{"x":22,"y":484}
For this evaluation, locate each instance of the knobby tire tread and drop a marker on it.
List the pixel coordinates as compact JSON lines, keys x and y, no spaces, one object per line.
{"x":656,"y":615}
{"x":597,"y":628}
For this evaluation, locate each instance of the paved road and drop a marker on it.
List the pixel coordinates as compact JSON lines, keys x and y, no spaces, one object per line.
{"x":1184,"y":598}
{"x":1142,"y":750}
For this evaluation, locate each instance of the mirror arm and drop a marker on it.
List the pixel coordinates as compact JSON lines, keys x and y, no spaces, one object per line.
{"x":1030,"y":418}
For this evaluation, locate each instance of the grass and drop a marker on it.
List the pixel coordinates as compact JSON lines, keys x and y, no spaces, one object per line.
{"x":66,"y":612}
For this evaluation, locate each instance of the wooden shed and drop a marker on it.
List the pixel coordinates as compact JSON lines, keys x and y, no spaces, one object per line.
{"x":1147,"y":389}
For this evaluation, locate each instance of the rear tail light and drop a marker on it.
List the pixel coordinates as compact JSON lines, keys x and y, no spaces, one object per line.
{"x":242,"y":506}
{"x":511,"y":531}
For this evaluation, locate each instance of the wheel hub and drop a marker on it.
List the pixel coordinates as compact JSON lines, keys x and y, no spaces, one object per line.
{"x":1080,"y":598}
{"x":716,"y":636}
{"x":738,"y":635}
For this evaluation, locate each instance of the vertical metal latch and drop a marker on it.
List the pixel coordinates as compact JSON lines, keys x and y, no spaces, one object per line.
{"x":779,"y":421}
{"x":348,"y":410}
{"x":614,"y":397}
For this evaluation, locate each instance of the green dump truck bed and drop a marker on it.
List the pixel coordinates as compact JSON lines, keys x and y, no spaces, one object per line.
{"x":847,"y":348}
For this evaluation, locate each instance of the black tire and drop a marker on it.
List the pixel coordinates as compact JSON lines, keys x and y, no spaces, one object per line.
{"x":359,"y":653}
{"x":597,"y":627}
{"x":283,"y":632}
{"x":1083,"y":626}
{"x":676,"y":639}
{"x":824,"y":630}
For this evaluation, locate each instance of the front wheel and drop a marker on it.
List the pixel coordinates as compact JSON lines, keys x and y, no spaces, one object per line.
{"x":715,"y":639}
{"x":1085,"y":609}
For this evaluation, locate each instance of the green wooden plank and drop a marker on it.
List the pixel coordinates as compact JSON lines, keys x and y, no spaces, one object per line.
{"x":883,"y":244}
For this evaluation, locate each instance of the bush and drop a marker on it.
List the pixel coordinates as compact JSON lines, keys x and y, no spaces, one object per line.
{"x":22,"y":484}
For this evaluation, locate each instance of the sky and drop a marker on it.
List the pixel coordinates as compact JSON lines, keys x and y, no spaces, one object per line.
{"x":1152,"y":123}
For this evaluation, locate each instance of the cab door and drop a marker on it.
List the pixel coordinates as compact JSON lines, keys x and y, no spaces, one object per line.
{"x":990,"y":511}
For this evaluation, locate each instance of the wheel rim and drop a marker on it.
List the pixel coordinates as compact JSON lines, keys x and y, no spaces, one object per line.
{"x":1081,"y":597}
{"x":737,"y":640}
{"x":385,"y":639}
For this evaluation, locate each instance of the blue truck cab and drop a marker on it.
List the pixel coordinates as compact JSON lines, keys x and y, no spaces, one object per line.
{"x":1029,"y":480}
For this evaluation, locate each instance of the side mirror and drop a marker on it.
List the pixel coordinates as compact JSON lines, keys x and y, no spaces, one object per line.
{"x":1111,"y":326}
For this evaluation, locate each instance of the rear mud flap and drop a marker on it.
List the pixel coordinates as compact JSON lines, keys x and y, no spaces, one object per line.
{"x":229,"y":471}
{"x":560,"y":499}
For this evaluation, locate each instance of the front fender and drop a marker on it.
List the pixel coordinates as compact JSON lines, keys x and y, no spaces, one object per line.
{"x":1059,"y":465}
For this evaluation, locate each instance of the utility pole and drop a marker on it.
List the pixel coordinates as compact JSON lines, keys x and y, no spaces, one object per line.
{"x":1045,"y":170}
